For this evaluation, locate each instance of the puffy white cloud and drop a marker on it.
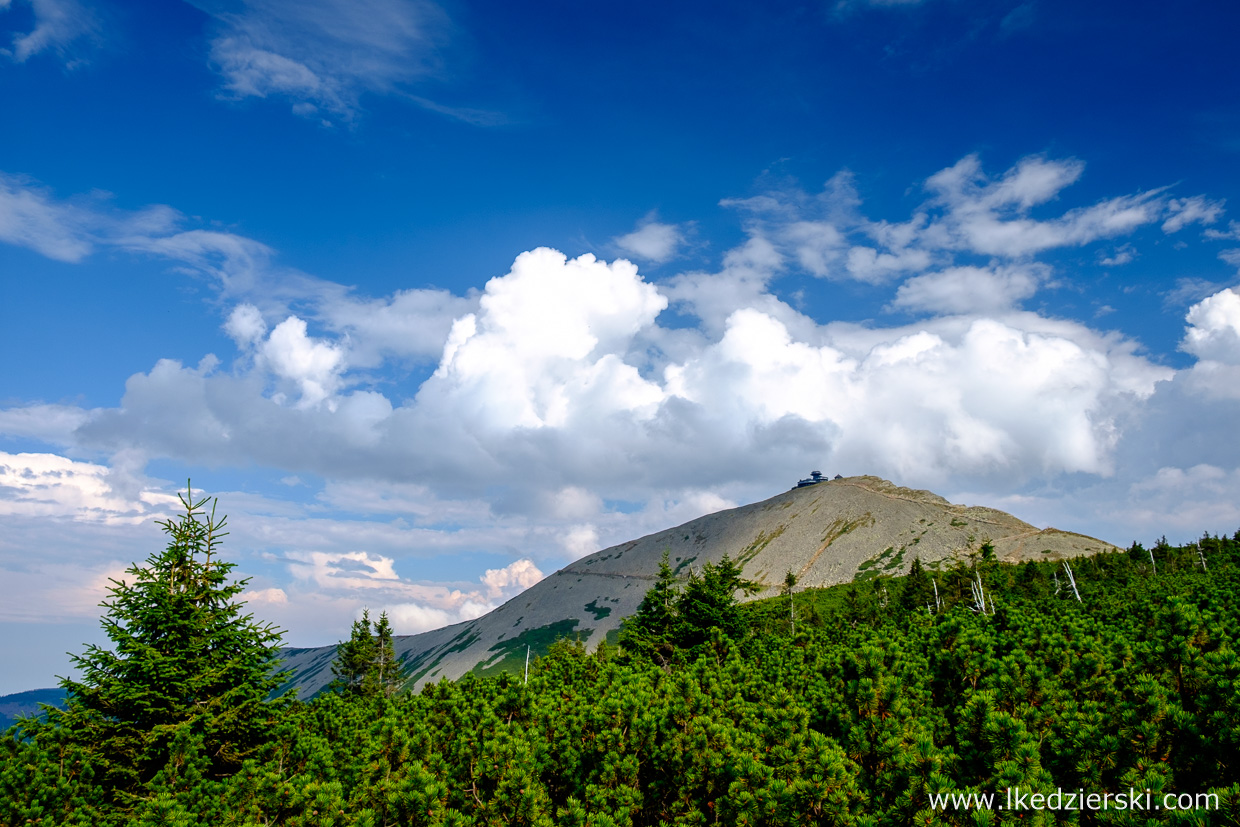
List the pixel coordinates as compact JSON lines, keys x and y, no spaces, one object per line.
{"x":1213,"y":336}
{"x":312,"y":364}
{"x":581,"y":540}
{"x":817,"y":245}
{"x":57,"y":23}
{"x":410,"y":324}
{"x":323,"y":54}
{"x":52,"y":424}
{"x":411,"y":618}
{"x":246,"y":325}
{"x":969,"y":396}
{"x":511,"y":579}
{"x":970,"y":289}
{"x":1213,"y":332}
{"x":49,"y":485}
{"x":547,"y":345}
{"x":271,"y":596}
{"x":869,"y":265}
{"x":743,"y":282}
{"x":652,"y":241}
{"x":551,"y":382}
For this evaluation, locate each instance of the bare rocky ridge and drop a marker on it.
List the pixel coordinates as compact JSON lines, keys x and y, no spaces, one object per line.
{"x":828,"y":533}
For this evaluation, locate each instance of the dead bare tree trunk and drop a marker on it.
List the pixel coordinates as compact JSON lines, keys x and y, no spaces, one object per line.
{"x":979,"y":594}
{"x":1072,"y":580}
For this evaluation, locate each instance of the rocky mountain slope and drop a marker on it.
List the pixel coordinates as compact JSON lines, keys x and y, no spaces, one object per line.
{"x":831,"y":532}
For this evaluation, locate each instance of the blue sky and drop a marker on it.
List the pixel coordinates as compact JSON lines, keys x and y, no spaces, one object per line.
{"x":439,"y":297}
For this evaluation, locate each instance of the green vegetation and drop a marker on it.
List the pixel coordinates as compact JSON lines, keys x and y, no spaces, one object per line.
{"x":851,"y":705}
{"x":366,"y":663}
{"x":185,"y":689}
{"x":760,"y":542}
{"x":890,"y":561}
{"x":598,"y":611}
{"x":512,"y":652}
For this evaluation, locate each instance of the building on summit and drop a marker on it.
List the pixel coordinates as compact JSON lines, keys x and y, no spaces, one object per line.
{"x":815,"y":477}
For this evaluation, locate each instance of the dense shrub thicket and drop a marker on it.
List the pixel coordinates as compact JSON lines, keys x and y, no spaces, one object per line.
{"x":891,"y":691}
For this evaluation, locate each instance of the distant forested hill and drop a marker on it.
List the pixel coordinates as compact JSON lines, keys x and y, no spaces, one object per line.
{"x":27,"y":703}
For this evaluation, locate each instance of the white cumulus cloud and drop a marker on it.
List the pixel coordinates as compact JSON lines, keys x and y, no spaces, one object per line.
{"x":548,"y":345}
{"x":969,"y":289}
{"x":1213,"y":332}
{"x":313,"y":365}
{"x":652,"y":241}
{"x":49,"y":485}
{"x":511,"y":579}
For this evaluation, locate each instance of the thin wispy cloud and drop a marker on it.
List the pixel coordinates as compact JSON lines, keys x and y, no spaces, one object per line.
{"x":967,"y":213}
{"x":58,"y":25}
{"x":323,"y":55}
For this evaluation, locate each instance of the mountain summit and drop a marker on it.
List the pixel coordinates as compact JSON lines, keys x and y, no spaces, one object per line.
{"x":827,"y":532}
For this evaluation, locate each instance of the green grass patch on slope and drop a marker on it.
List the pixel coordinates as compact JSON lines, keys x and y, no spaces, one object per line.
{"x":511,"y":657}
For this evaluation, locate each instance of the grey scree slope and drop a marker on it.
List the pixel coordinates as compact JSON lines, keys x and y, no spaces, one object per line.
{"x":826,"y":534}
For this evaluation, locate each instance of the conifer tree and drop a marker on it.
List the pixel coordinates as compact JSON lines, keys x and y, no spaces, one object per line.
{"x":366,"y":663}
{"x":185,"y":662}
{"x":355,"y":659}
{"x":650,"y":631}
{"x":389,"y":676}
{"x":709,"y":602}
{"x":918,"y":590}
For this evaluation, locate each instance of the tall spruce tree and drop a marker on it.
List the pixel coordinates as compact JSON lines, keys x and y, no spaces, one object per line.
{"x":185,"y":661}
{"x":918,"y":591}
{"x":366,"y":663}
{"x":389,"y":674}
{"x":651,"y":630}
{"x":709,"y":602}
{"x":354,"y":659}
